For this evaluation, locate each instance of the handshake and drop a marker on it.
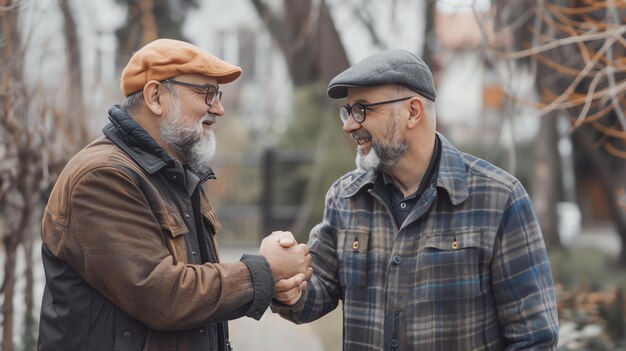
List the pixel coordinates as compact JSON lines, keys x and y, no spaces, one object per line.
{"x":290,"y":263}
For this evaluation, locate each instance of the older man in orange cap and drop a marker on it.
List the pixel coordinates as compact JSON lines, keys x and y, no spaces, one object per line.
{"x":129,"y":246}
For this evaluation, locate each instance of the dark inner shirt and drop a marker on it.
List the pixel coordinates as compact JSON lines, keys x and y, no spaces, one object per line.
{"x":401,"y":206}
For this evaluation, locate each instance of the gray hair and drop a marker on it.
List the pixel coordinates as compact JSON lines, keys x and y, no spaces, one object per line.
{"x":134,"y":100}
{"x":429,"y":105}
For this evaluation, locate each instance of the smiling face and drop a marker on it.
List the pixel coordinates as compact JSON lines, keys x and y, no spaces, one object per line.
{"x":380,"y":138}
{"x":186,"y":129}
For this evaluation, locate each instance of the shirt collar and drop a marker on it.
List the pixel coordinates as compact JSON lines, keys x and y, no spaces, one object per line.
{"x":361,"y":180}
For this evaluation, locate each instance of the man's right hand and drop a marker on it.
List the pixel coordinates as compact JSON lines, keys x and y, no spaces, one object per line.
{"x":289,"y":291}
{"x":285,"y":256}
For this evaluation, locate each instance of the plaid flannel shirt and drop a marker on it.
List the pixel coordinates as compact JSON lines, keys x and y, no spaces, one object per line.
{"x":467,"y":270}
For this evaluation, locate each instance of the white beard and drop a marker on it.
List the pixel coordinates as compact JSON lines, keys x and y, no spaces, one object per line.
{"x":369,"y":162}
{"x":187,"y":138}
{"x":203,"y":151}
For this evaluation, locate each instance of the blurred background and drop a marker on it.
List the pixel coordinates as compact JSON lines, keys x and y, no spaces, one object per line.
{"x":536,"y":87}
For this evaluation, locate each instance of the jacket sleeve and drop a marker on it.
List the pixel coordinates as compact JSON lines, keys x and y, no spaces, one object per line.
{"x":323,"y":290}
{"x":115,"y":242}
{"x":521,"y":279}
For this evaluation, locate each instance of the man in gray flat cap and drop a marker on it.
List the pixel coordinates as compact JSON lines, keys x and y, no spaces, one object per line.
{"x":428,"y":248}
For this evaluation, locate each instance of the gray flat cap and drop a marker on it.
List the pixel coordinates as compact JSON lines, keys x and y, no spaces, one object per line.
{"x":386,"y":67}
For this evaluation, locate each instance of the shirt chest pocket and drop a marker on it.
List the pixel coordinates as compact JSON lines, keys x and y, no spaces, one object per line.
{"x":174,"y":227}
{"x":451,"y":266}
{"x":352,"y":253}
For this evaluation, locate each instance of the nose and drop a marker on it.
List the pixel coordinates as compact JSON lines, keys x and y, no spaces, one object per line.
{"x":350,"y":125}
{"x":216,"y":108}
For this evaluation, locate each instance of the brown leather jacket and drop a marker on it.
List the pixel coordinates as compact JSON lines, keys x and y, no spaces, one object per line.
{"x":130,"y":255}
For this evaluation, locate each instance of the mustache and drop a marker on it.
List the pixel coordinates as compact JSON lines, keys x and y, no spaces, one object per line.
{"x":360,"y":134}
{"x":209,"y":117}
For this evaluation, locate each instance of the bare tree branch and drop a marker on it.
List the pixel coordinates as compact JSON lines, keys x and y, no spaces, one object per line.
{"x":368,"y":22}
{"x":614,"y":33}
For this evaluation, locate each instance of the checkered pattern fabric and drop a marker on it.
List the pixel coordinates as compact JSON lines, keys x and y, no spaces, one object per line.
{"x":467,"y":270}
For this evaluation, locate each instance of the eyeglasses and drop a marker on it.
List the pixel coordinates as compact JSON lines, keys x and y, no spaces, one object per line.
{"x":212,"y":93}
{"x":358,"y":110}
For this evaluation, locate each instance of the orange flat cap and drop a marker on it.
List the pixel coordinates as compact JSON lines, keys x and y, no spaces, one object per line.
{"x":167,"y":58}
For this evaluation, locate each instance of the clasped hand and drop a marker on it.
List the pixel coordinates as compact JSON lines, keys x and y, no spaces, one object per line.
{"x":290,"y":263}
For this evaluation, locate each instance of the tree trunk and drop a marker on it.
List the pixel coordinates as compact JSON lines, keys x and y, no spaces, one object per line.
{"x":29,"y":338}
{"x":12,"y":111}
{"x":8,"y":289}
{"x":147,"y":20}
{"x":308,"y":39}
{"x":12,"y":240}
{"x":75,"y":124}
{"x":545,"y":183}
{"x":428,"y":55}
{"x":618,"y":209}
{"x":611,"y":180}
{"x":18,"y":203}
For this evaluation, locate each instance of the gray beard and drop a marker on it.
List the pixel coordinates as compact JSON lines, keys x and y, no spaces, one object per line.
{"x":186,"y":138}
{"x":382,"y":157}
{"x":369,"y":162}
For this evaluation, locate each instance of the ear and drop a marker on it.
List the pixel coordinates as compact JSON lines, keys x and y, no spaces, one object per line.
{"x":416,"y":112}
{"x":153,"y":96}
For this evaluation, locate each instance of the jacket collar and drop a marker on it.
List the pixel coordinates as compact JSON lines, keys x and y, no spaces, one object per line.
{"x":129,"y":136}
{"x":452,"y":175}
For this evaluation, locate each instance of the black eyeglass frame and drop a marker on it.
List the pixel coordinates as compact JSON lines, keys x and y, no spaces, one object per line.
{"x":218,"y":92}
{"x":347,"y":110}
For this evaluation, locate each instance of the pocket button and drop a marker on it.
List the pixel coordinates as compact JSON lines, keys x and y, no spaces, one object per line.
{"x":397,"y":259}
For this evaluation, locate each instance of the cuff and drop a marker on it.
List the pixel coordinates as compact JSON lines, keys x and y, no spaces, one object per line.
{"x":281,"y":308}
{"x":263,"y":283}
